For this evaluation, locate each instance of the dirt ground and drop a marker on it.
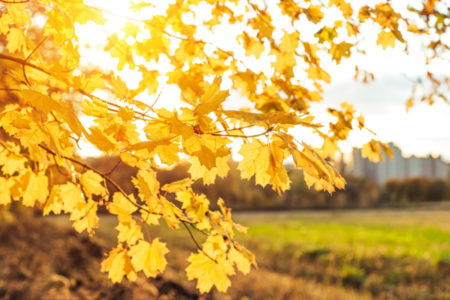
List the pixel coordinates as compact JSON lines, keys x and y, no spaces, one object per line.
{"x":41,"y":261}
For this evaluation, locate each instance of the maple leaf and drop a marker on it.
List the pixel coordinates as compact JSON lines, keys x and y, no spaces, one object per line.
{"x":372,"y":150}
{"x":177,"y":186}
{"x":122,"y":207}
{"x":149,"y":257}
{"x":85,"y":218}
{"x":118,"y":264}
{"x":37,"y":189}
{"x":95,"y":108}
{"x":252,"y":46}
{"x":11,"y":160}
{"x":386,"y":39}
{"x":266,"y":163}
{"x":92,"y":183}
{"x":340,"y":50}
{"x":209,"y":273}
{"x":5,"y":195}
{"x":241,"y":262}
{"x":212,"y":98}
{"x":129,"y":232}
{"x":147,"y":184}
{"x":16,"y":40}
{"x":196,"y":207}
{"x":256,"y":158}
{"x":314,"y":13}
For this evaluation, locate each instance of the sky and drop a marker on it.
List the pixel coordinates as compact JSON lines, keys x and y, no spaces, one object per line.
{"x":421,"y":131}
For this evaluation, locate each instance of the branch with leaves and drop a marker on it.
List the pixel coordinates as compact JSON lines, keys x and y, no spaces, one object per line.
{"x":52,"y":101}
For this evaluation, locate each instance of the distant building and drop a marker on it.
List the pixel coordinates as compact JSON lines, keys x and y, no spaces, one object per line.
{"x":399,"y":166}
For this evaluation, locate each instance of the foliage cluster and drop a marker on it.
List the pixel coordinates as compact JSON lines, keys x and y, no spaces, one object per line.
{"x":45,"y":83}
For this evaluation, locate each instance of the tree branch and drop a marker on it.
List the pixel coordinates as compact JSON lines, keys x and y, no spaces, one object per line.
{"x":105,"y":177}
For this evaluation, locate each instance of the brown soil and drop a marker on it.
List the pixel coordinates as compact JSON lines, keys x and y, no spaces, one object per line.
{"x":42,"y":261}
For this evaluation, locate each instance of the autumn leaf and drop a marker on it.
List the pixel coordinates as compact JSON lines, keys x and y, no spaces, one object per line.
{"x":241,"y":262}
{"x":149,"y":257}
{"x":37,"y":189}
{"x":122,"y":207}
{"x":92,"y":183}
{"x":177,"y":186}
{"x":386,"y":39}
{"x":85,"y":218}
{"x":129,"y":232}
{"x":5,"y":194}
{"x":118,"y":265}
{"x":209,"y":273}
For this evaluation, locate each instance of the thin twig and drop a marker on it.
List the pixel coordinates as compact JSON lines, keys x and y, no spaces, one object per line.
{"x":23,"y":62}
{"x":242,"y":136}
{"x":113,"y":168}
{"x":196,"y":243}
{"x":14,"y":2}
{"x":28,"y":57}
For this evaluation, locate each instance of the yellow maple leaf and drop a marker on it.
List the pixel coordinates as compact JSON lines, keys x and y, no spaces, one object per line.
{"x":252,"y":45}
{"x":147,"y":184}
{"x":54,"y":202}
{"x":86,"y":218}
{"x":37,"y":189}
{"x":101,"y":140}
{"x":212,"y":98}
{"x":92,"y":183}
{"x":129,"y":232}
{"x":372,"y":150}
{"x":177,"y":186}
{"x":241,"y":262}
{"x":15,"y":40}
{"x":386,"y":39}
{"x":121,"y":207}
{"x":11,"y":160}
{"x":314,"y":13}
{"x":196,"y":207}
{"x":94,"y":108}
{"x":149,"y":258}
{"x":5,"y":194}
{"x":345,"y":7}
{"x":118,"y":264}
{"x":208,"y":176}
{"x":318,"y":73}
{"x":284,"y":64}
{"x":72,"y":197}
{"x":131,"y":29}
{"x":209,"y":273}
{"x":266,"y":163}
{"x":256,"y":159}
{"x":340,"y":50}
{"x":279,"y":177}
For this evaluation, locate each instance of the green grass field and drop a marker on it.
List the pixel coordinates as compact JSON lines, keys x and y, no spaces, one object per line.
{"x":420,"y":235}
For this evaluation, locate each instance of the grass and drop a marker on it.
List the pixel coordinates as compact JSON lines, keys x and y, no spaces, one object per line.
{"x":388,"y":253}
{"x":422,"y":242}
{"x":355,"y":254}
